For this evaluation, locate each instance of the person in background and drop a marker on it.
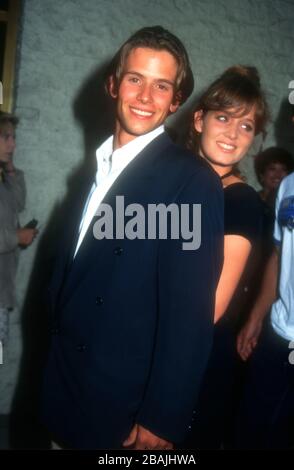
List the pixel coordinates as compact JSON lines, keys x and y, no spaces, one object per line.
{"x":266,"y":415}
{"x":12,"y":201}
{"x":271,"y":166}
{"x":226,"y":119}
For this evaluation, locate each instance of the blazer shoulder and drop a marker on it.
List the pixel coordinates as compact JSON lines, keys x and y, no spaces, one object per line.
{"x":191,"y":163}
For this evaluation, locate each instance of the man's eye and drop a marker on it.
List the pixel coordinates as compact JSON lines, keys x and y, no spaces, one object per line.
{"x":134,"y":79}
{"x":162,"y":87}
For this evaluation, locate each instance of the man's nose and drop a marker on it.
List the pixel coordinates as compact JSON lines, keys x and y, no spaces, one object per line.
{"x":145,"y":93}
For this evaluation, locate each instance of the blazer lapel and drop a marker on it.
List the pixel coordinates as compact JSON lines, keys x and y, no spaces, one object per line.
{"x":68,"y":244}
{"x":131,"y":182}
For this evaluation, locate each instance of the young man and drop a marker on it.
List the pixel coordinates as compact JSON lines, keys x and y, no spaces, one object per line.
{"x":12,"y":200}
{"x":133,"y":315}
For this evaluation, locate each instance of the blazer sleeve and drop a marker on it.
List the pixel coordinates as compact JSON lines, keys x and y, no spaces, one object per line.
{"x":187,"y":282}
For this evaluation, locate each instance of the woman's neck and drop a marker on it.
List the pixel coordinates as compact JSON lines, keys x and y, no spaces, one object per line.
{"x":219,"y":169}
{"x":222,"y":171}
{"x":226,"y":174}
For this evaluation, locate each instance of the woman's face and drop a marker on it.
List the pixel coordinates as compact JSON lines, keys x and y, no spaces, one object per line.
{"x":273,"y":175}
{"x":225,"y":138}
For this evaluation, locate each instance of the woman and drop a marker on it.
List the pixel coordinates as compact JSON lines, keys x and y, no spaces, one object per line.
{"x":226,"y":119}
{"x":271,"y":166}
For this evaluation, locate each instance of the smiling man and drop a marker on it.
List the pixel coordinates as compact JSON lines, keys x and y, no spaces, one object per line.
{"x":132,"y":317}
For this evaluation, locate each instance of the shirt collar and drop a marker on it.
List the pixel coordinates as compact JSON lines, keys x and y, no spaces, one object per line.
{"x":120,"y":158}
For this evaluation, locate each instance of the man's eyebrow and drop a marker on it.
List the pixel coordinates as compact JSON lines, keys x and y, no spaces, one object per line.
{"x":164,"y":80}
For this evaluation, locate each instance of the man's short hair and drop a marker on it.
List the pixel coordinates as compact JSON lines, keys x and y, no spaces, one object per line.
{"x":157,"y":38}
{"x":7,"y":118}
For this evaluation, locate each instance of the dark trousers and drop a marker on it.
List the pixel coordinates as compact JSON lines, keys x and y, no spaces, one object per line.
{"x":265,"y":419}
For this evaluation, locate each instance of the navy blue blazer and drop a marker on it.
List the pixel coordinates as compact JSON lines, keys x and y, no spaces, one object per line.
{"x":132,"y":320}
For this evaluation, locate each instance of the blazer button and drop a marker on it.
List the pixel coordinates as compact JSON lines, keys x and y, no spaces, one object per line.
{"x":118,"y":250}
{"x":81,"y":347}
{"x":99,"y":300}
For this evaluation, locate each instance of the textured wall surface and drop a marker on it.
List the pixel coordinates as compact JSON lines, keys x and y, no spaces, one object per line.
{"x":63,"y":47}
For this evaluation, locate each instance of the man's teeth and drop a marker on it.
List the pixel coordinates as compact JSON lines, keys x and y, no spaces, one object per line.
{"x":141,"y":113}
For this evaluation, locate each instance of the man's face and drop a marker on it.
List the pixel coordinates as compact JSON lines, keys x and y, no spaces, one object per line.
{"x":7,"y":143}
{"x":146,"y":93}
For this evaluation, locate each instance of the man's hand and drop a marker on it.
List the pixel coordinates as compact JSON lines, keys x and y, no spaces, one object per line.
{"x":26,"y":236}
{"x":142,"y":439}
{"x":248,"y":337}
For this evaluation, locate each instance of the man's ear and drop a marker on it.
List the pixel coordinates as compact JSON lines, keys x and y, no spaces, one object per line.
{"x":176,"y":102}
{"x":198,"y":121}
{"x":112,"y":88}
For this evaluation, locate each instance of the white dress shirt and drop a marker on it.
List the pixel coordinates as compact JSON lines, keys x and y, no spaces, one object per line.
{"x":110,"y":164}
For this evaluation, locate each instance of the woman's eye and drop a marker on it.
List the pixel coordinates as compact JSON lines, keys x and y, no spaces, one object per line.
{"x":221,"y":118}
{"x":247,"y":127}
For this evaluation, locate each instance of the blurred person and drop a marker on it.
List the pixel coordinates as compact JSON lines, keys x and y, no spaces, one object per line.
{"x":266,"y":416}
{"x":12,"y":201}
{"x":267,"y":410}
{"x":271,"y":166}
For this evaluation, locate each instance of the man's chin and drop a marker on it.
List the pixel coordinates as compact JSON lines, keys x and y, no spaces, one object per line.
{"x":136,"y":132}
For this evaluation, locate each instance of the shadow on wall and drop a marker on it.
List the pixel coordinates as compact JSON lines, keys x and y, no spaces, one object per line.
{"x":94,"y":112}
{"x":284,"y":131}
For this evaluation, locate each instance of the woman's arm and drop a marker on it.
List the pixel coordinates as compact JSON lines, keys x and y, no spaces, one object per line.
{"x":236,"y":253}
{"x":249,"y":335}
